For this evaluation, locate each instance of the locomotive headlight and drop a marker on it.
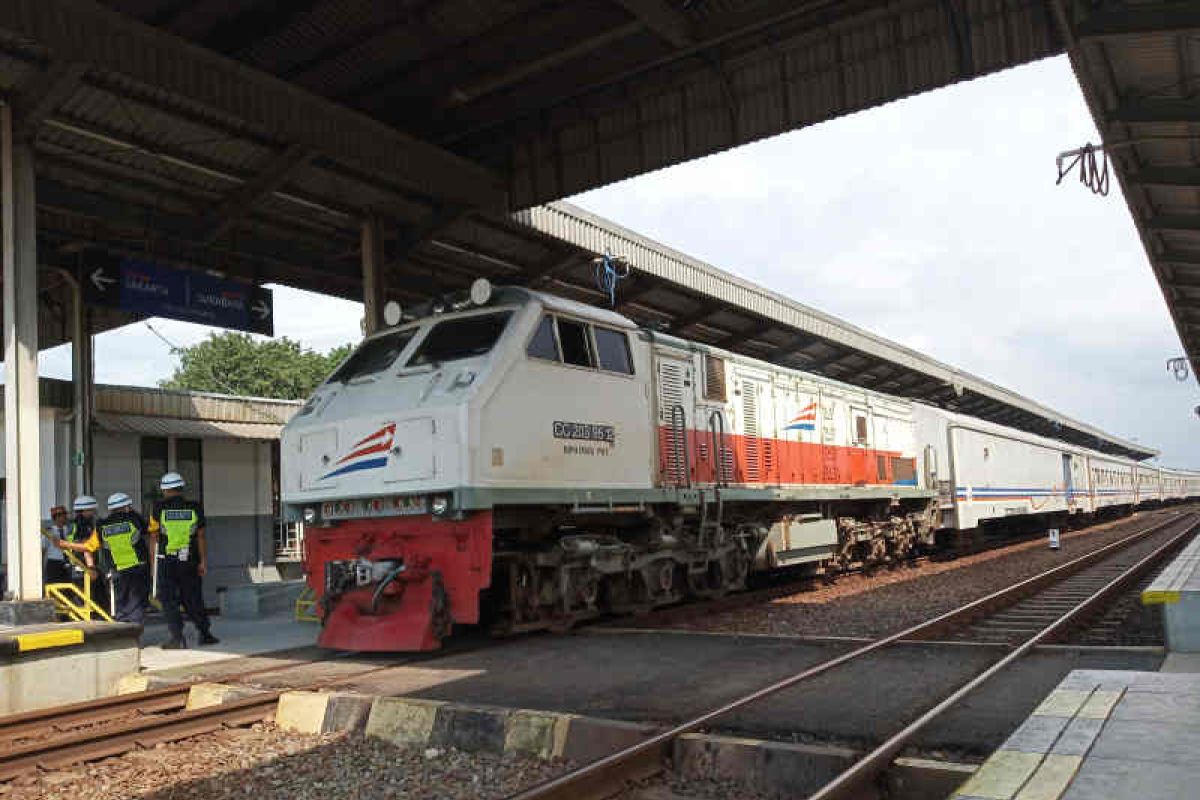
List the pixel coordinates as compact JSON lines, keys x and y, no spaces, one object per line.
{"x":310,"y":515}
{"x":439,"y":505}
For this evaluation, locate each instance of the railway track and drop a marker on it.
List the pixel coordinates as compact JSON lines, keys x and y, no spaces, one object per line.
{"x":777,"y":587}
{"x":57,"y":737}
{"x":1057,"y":602}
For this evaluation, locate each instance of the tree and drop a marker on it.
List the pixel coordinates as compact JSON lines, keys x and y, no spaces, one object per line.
{"x":235,"y":363}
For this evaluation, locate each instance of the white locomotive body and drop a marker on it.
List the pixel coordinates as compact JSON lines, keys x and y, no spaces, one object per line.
{"x":568,"y":464}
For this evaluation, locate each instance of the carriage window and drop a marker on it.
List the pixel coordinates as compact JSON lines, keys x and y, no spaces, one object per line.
{"x":860,"y":429}
{"x":464,"y":337}
{"x":542,"y":345}
{"x":574,"y":340}
{"x":612,"y":350}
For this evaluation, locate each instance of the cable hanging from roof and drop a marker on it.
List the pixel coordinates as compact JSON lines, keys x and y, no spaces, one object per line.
{"x":1093,"y":170}
{"x":609,"y":271}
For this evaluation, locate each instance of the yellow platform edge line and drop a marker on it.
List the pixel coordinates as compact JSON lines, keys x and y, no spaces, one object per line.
{"x":46,"y":639}
{"x":1153,"y":597}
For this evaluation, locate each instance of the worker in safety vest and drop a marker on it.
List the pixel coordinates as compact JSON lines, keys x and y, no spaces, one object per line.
{"x":178,"y":524}
{"x":83,"y":540}
{"x":126,"y":553}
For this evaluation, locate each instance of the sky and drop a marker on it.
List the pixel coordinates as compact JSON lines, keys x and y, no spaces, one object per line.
{"x":934,"y":221}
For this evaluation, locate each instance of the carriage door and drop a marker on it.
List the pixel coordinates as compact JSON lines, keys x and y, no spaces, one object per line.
{"x":1068,"y":482}
{"x":676,"y":408}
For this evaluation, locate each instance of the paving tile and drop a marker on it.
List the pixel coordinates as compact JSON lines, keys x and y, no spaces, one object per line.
{"x":1147,"y":741}
{"x":1088,"y":679}
{"x":1172,"y":709}
{"x":1051,"y":778}
{"x":1062,"y":703}
{"x":1036,"y":734}
{"x":1118,"y":779}
{"x":1166,"y":682}
{"x":1100,"y":704}
{"x":1002,"y":775}
{"x":1078,"y":737}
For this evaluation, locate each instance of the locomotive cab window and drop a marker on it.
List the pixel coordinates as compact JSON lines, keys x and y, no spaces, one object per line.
{"x":573,"y":338}
{"x":374,"y":356}
{"x":543,"y":344}
{"x":612,"y":350}
{"x":465,"y":337}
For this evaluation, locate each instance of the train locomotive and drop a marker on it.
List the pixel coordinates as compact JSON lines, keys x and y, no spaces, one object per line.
{"x":516,"y":458}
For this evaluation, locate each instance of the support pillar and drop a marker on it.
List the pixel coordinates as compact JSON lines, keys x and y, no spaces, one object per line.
{"x":83,"y":378}
{"x":374,"y":288}
{"x":22,"y":451}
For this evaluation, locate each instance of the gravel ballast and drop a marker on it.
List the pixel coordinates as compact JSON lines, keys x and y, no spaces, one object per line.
{"x":891,"y":600}
{"x":264,"y":763}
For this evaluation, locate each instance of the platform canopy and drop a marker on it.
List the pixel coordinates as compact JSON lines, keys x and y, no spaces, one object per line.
{"x":253,"y":137}
{"x":1139,"y":65}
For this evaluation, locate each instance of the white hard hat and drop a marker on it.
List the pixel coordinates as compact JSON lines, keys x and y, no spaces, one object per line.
{"x":85,"y":502}
{"x":118,"y":500}
{"x":172,"y":480}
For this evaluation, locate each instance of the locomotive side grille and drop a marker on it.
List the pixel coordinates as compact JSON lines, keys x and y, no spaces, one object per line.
{"x":714,"y":378}
{"x":674,"y":414}
{"x":670,"y":388}
{"x":752,"y":432}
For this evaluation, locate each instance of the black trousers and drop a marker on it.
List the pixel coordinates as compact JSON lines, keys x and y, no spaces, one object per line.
{"x":179,"y":584}
{"x":56,"y":571}
{"x":133,"y":591}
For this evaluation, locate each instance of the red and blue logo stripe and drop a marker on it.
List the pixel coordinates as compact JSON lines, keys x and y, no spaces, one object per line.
{"x":806,"y":420}
{"x":365,"y":454}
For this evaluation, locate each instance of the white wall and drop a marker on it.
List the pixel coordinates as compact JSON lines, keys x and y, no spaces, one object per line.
{"x":237,"y":477}
{"x":118,"y":466}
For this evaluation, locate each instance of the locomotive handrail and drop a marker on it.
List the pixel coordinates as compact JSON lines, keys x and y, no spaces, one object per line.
{"x":716,"y":430}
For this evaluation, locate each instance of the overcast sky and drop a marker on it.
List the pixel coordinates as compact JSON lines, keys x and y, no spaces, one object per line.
{"x":933,"y":221}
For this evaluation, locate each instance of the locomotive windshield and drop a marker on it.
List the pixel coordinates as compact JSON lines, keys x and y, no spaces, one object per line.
{"x":463,"y":337}
{"x":374,"y":356}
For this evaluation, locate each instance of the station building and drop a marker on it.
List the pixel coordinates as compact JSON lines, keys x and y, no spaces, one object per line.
{"x":227,"y":448}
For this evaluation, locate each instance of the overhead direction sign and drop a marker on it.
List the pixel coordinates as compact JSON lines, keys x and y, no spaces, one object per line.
{"x":143,"y":287}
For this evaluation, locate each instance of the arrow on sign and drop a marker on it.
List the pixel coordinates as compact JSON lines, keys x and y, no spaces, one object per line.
{"x":262,"y":309}
{"x":99,"y":279}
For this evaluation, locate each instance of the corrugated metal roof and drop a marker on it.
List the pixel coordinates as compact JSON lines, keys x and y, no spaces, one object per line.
{"x":190,"y":428}
{"x":1139,"y":66}
{"x":139,"y":401}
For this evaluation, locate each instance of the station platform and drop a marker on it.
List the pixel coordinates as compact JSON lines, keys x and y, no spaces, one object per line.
{"x":1111,"y":734}
{"x":239,"y":637}
{"x":55,"y":663}
{"x":1177,"y":590}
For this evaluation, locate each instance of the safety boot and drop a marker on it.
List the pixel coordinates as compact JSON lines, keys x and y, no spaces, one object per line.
{"x":175,"y":643}
{"x":208,"y":638}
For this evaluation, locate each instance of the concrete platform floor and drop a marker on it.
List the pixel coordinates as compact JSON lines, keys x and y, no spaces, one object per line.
{"x":239,"y":637}
{"x":1181,"y":662}
{"x":1101,"y":735}
{"x":663,"y":677}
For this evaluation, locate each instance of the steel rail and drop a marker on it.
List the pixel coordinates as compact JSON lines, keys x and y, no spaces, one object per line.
{"x":849,"y":782}
{"x":147,"y":731}
{"x":150,"y":701}
{"x":606,"y":776}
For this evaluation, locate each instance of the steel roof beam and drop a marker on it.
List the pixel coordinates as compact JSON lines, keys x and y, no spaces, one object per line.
{"x":1174,"y":222}
{"x":736,"y":337}
{"x":705,"y":311}
{"x":664,"y":20}
{"x":1167,"y":177}
{"x":44,"y":94}
{"x":1141,"y":20}
{"x":1178,"y":257}
{"x":85,"y":31}
{"x":1160,"y":111}
{"x":217,"y":222}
